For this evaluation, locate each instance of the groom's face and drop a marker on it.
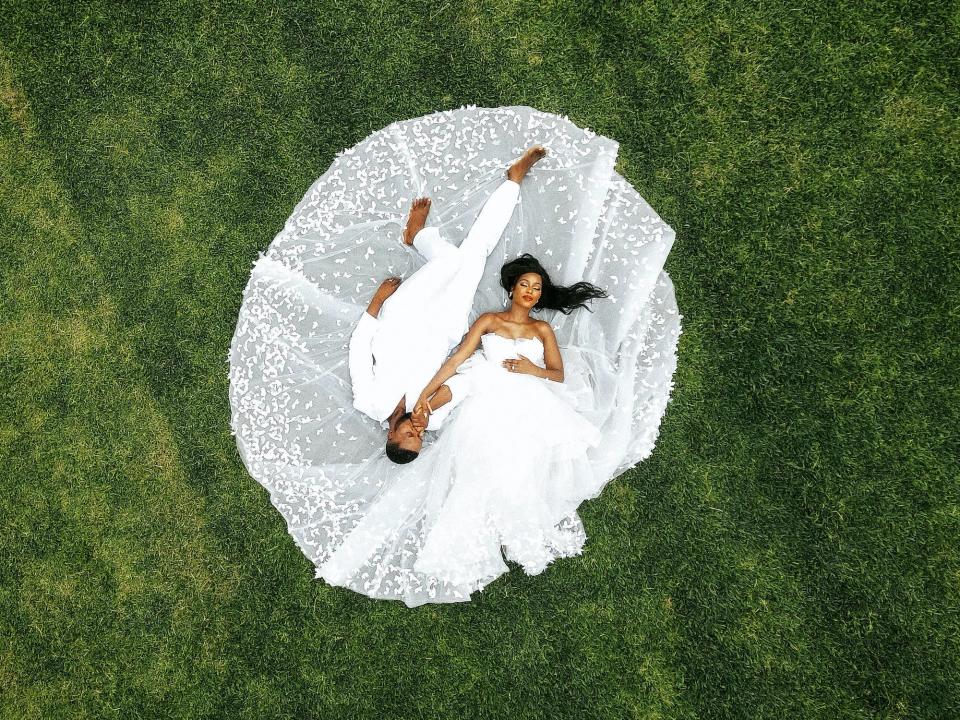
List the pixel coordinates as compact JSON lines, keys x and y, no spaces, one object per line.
{"x":404,"y":434}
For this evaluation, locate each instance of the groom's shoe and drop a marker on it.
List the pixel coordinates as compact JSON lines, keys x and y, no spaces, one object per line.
{"x":521,"y":167}
{"x":419,"y":210}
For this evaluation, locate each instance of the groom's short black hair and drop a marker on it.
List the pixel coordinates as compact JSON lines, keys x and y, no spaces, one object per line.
{"x":400,"y":455}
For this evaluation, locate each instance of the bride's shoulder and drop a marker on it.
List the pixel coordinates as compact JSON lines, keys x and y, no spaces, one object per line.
{"x":486,"y":321}
{"x":543,"y":328}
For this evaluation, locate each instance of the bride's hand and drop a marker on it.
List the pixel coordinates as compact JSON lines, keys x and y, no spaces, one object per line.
{"x":420,"y":418}
{"x":523,"y":364}
{"x":421,"y":404}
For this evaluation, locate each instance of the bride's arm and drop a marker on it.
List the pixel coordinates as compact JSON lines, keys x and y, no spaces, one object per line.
{"x":551,"y":354}
{"x":469,"y":344}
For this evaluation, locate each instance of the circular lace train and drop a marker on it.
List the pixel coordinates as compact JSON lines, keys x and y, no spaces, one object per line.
{"x":357,"y":516}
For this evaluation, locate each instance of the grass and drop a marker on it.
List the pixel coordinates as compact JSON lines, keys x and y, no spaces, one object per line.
{"x":790,"y":549}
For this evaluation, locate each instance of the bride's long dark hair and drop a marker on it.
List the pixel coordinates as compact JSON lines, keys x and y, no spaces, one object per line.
{"x":566,"y":299}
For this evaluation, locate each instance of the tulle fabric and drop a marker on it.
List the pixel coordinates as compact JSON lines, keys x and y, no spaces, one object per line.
{"x":494,"y":478}
{"x":508,"y":472}
{"x":322,"y":462}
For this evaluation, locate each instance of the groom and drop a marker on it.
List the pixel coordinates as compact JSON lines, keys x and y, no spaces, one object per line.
{"x":408,"y":330}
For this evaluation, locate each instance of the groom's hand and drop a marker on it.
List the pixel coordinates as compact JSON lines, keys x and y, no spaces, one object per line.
{"x":420,"y":419}
{"x":386,"y":289}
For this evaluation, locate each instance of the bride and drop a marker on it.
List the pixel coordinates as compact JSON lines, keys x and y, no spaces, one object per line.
{"x":512,"y":463}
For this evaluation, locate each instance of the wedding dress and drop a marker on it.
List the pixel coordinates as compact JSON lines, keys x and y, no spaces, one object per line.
{"x":509,"y":470}
{"x":366,"y":523}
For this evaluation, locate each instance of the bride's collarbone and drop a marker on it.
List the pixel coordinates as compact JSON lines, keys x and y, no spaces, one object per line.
{"x":513,"y":330}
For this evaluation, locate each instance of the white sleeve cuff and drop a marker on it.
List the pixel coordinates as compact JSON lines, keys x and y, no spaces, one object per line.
{"x":367,"y":322}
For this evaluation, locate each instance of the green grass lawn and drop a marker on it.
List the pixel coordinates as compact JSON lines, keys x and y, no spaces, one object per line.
{"x":790,"y":550}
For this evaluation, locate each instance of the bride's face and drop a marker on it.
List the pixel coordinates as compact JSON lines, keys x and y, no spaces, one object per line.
{"x":527,"y":290}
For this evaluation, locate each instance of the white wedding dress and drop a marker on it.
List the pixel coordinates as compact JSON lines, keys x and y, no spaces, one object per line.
{"x":431,"y":530}
{"x":509,"y":470}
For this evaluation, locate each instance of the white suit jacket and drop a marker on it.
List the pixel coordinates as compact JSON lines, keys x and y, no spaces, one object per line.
{"x":398,"y":353}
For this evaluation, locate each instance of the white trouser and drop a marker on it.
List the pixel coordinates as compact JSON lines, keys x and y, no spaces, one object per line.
{"x":439,"y":296}
{"x":427,"y":315}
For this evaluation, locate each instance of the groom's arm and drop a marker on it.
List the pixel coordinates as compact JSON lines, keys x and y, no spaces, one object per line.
{"x":387,"y":288}
{"x":362,"y":377}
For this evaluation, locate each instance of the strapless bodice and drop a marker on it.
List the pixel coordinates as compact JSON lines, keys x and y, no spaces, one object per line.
{"x":498,"y":348}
